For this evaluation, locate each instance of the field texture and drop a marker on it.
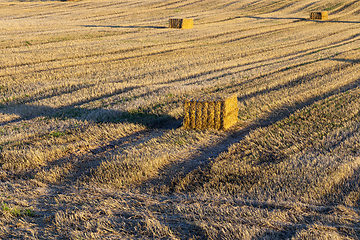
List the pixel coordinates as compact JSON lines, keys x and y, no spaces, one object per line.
{"x":91,"y":110}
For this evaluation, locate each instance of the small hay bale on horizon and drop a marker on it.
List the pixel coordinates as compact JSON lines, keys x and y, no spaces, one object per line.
{"x":181,"y":23}
{"x":319,"y":15}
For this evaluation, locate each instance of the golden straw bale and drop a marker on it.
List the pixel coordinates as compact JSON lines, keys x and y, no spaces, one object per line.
{"x":185,"y":23}
{"x":210,"y":112}
{"x":319,"y":15}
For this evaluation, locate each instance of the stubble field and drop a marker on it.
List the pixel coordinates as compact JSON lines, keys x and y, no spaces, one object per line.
{"x":91,"y":110}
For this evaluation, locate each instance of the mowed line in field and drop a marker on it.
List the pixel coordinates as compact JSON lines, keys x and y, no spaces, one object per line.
{"x":242,"y":88}
{"x":238,"y":68}
{"x":347,"y":67}
{"x":141,"y":24}
{"x":91,"y":11}
{"x":66,"y":4}
{"x":326,"y":80}
{"x":174,"y":49}
{"x":153,"y":6}
{"x":136,"y":89}
{"x":196,"y":42}
{"x":255,"y":51}
{"x":58,"y":9}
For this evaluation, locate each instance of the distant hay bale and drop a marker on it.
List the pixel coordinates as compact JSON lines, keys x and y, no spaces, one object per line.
{"x":210,"y":112}
{"x":319,"y":15}
{"x":183,"y":23}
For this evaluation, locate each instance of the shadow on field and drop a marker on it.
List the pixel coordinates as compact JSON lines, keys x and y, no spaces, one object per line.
{"x":88,"y":161}
{"x":295,"y":82}
{"x":277,"y":18}
{"x":156,"y":124}
{"x":117,"y":26}
{"x":301,"y":19}
{"x":345,"y":192}
{"x":233,"y":73}
{"x":332,"y":201}
{"x":355,"y":61}
{"x":98,"y":115}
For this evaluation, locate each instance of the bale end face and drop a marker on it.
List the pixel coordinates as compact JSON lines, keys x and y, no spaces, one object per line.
{"x":187,"y":24}
{"x":319,"y":15}
{"x":181,"y":23}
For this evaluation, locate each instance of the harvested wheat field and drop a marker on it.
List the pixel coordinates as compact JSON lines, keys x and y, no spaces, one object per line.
{"x":92,"y":142}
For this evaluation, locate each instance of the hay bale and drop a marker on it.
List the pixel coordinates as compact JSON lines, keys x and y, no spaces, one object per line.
{"x":210,"y":112}
{"x":319,"y":15}
{"x":183,"y":23}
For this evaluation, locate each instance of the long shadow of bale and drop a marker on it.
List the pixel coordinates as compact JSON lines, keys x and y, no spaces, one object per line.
{"x":118,"y":26}
{"x":97,"y":115}
{"x":296,"y":19}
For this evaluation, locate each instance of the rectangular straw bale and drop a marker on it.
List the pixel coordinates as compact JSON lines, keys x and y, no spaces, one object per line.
{"x":183,"y":23}
{"x":319,"y":15}
{"x":215,"y":112}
